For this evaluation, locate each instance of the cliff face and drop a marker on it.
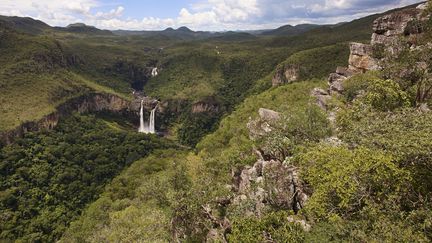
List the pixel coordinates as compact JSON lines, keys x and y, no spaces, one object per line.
{"x":390,"y":32}
{"x":388,"y":29}
{"x":84,"y":104}
{"x":286,"y":74}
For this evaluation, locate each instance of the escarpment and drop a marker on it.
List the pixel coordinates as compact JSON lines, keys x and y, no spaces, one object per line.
{"x":391,"y":33}
{"x":273,"y":181}
{"x":93,"y":102}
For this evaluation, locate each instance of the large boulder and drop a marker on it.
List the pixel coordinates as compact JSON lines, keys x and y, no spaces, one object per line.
{"x":322,"y":97}
{"x":335,"y":81}
{"x":269,"y":115}
{"x":264,"y":124}
{"x":360,"y":59}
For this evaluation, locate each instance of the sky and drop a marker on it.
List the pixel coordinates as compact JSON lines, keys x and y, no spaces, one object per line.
{"x":210,"y":15}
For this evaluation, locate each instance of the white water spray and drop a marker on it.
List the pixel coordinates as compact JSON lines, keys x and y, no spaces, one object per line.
{"x":144,"y":126}
{"x":154,"y":72}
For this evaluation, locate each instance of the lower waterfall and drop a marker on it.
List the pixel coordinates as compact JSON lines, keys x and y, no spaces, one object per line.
{"x":147,"y":127}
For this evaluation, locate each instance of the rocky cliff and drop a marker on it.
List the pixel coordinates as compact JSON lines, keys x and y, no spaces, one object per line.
{"x":390,"y":33}
{"x":286,"y":74}
{"x":389,"y":29}
{"x":93,"y":102}
{"x":273,"y":183}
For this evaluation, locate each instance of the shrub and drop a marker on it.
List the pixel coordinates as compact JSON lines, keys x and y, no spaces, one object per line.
{"x":274,"y":226}
{"x":385,"y":95}
{"x":344,"y":181}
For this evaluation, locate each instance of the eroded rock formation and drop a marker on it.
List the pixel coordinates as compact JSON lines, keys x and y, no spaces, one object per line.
{"x":286,"y":74}
{"x":206,"y":105}
{"x":390,"y":28}
{"x":388,"y":33}
{"x":93,"y":102}
{"x":262,"y":125}
{"x":268,"y":184}
{"x":360,"y":59}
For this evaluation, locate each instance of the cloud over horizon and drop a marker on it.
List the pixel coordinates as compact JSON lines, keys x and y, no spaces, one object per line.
{"x":200,"y":15}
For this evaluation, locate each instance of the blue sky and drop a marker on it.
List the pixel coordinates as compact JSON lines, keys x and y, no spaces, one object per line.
{"x":214,"y":15}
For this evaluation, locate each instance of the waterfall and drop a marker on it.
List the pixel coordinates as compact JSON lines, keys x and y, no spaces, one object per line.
{"x":144,"y":126}
{"x":151,"y":128}
{"x":154,"y":72}
{"x":141,"y":127}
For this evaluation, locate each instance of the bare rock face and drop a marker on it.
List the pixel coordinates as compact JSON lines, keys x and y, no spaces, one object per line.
{"x":269,"y":183}
{"x":287,"y":74}
{"x":389,"y":28}
{"x":322,"y":97}
{"x":149,"y":103}
{"x":88,"y":103}
{"x":360,"y":59}
{"x":387,"y":32}
{"x":263,"y":125}
{"x":204,"y":107}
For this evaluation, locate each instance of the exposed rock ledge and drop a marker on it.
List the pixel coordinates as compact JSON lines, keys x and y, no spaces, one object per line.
{"x":87,"y":103}
{"x":286,"y":74}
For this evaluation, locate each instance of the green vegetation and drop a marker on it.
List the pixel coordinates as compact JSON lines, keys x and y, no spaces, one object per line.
{"x":310,"y":62}
{"x":34,"y":80}
{"x":135,"y":206}
{"x":367,"y":173}
{"x":48,"y":178}
{"x":251,"y":229}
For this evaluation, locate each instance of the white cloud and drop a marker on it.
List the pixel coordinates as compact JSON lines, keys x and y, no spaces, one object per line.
{"x":204,"y":15}
{"x":114,"y":13}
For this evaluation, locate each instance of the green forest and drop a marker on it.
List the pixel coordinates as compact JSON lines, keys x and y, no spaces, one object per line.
{"x":258,"y":138}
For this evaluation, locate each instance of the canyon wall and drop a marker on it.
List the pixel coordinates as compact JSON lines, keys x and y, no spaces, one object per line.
{"x":92,"y":102}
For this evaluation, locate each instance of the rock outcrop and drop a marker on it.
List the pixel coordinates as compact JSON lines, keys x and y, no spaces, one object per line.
{"x":360,"y":59}
{"x":202,"y":107}
{"x":322,"y":97}
{"x":268,"y":184}
{"x":259,"y":127}
{"x":286,"y":74}
{"x":93,"y":102}
{"x":206,"y":105}
{"x":149,"y":103}
{"x":390,"y":28}
{"x":388,"y":31}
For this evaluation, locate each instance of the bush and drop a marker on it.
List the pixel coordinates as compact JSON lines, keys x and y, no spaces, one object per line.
{"x":295,"y":129}
{"x":274,"y":226}
{"x":345,"y":181}
{"x":385,"y":95}
{"x":358,"y":83}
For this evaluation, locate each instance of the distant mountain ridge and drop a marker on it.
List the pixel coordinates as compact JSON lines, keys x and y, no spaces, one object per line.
{"x":83,"y":28}
{"x":289,"y":30}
